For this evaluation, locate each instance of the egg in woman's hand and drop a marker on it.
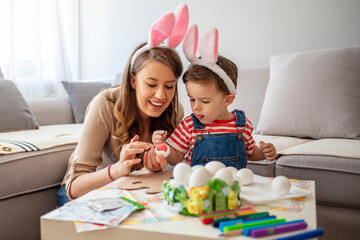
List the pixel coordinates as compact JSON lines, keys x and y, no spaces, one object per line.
{"x":199,"y":177}
{"x":246,"y":176}
{"x":281,"y":185}
{"x":182,"y":172}
{"x":214,"y":166}
{"x":226,"y":175}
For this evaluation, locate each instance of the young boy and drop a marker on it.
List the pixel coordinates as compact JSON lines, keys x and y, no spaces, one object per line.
{"x":211,"y":132}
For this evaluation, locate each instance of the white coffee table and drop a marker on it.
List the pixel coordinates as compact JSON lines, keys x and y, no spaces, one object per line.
{"x":190,"y":228}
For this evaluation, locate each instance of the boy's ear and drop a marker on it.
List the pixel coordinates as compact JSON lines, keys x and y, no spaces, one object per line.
{"x":229,"y":99}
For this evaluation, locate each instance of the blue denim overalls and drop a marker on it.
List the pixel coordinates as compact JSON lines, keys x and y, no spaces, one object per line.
{"x":228,"y":148}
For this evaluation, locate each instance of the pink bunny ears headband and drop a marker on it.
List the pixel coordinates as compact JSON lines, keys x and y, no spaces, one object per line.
{"x":169,"y":26}
{"x":208,"y":49}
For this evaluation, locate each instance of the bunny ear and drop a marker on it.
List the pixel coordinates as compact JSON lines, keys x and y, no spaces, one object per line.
{"x":161,"y":29}
{"x":209,"y":46}
{"x":190,"y":43}
{"x":180,"y":27}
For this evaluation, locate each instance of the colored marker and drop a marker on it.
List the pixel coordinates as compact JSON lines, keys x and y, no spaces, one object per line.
{"x":235,"y":222}
{"x":222,"y":213}
{"x":278,"y":229}
{"x":247,"y":231}
{"x":241,"y":226}
{"x":217,"y":221}
{"x":304,"y":235}
{"x":209,"y":220}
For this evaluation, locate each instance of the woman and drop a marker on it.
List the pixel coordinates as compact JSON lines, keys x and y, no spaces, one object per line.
{"x":120,"y":121}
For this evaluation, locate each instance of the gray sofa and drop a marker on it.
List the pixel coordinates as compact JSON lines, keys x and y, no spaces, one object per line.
{"x":30,"y":180}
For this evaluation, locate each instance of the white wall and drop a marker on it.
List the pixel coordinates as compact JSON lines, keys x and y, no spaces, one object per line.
{"x":249,"y":30}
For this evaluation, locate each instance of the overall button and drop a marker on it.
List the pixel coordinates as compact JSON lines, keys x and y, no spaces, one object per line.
{"x":199,"y":138}
{"x":239,"y":136}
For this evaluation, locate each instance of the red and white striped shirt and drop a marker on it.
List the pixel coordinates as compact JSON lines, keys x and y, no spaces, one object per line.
{"x":183,"y":138}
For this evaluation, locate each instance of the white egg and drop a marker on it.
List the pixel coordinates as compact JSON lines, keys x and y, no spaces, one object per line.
{"x":233,"y":170}
{"x":226,"y":175}
{"x":214,"y":166}
{"x":281,"y":185}
{"x":182,"y":172}
{"x":196,"y":167}
{"x":246,"y":176}
{"x":237,"y":178}
{"x":199,"y":177}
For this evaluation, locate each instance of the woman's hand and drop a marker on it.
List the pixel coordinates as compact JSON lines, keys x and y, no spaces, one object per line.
{"x":128,"y":156}
{"x":158,"y":137}
{"x":268,"y":150}
{"x":154,"y":163}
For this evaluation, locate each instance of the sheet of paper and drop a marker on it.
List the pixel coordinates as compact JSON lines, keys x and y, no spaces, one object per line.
{"x":260,"y":191}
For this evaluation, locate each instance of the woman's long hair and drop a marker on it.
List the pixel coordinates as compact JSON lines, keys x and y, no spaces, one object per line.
{"x":126,"y":110}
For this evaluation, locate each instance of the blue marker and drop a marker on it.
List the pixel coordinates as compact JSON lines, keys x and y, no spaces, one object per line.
{"x":243,"y":221}
{"x":304,"y":235}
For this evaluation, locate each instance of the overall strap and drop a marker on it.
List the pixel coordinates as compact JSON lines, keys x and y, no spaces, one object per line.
{"x":240,"y":118}
{"x":197,"y":123}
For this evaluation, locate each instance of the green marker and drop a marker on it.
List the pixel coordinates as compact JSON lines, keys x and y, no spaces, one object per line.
{"x":241,"y":226}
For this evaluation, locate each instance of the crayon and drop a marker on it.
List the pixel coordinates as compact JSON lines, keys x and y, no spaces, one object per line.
{"x":304,"y":235}
{"x":247,"y":230}
{"x":217,"y":221}
{"x":241,"y":226}
{"x":278,"y":229}
{"x":222,"y":225}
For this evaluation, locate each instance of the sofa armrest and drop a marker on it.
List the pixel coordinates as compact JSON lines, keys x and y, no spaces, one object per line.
{"x":49,"y":111}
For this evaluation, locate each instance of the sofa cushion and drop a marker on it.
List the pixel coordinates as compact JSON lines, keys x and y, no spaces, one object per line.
{"x":80,"y":95}
{"x":46,"y":110}
{"x":251,"y":87}
{"x":33,"y":171}
{"x":15,"y":112}
{"x":43,"y":138}
{"x":313,"y":94}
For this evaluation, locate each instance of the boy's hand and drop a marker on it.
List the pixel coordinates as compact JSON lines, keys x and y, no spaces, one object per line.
{"x":268,"y":150}
{"x":158,"y":137}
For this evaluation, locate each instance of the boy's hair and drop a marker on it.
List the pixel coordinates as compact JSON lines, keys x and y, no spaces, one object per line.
{"x":198,"y":73}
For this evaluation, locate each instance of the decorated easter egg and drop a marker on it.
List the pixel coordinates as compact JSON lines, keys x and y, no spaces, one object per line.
{"x":214,"y":166}
{"x":226,"y":175}
{"x":182,"y":172}
{"x":199,"y":177}
{"x":281,"y":185}
{"x":162,"y":149}
{"x":246,"y":176}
